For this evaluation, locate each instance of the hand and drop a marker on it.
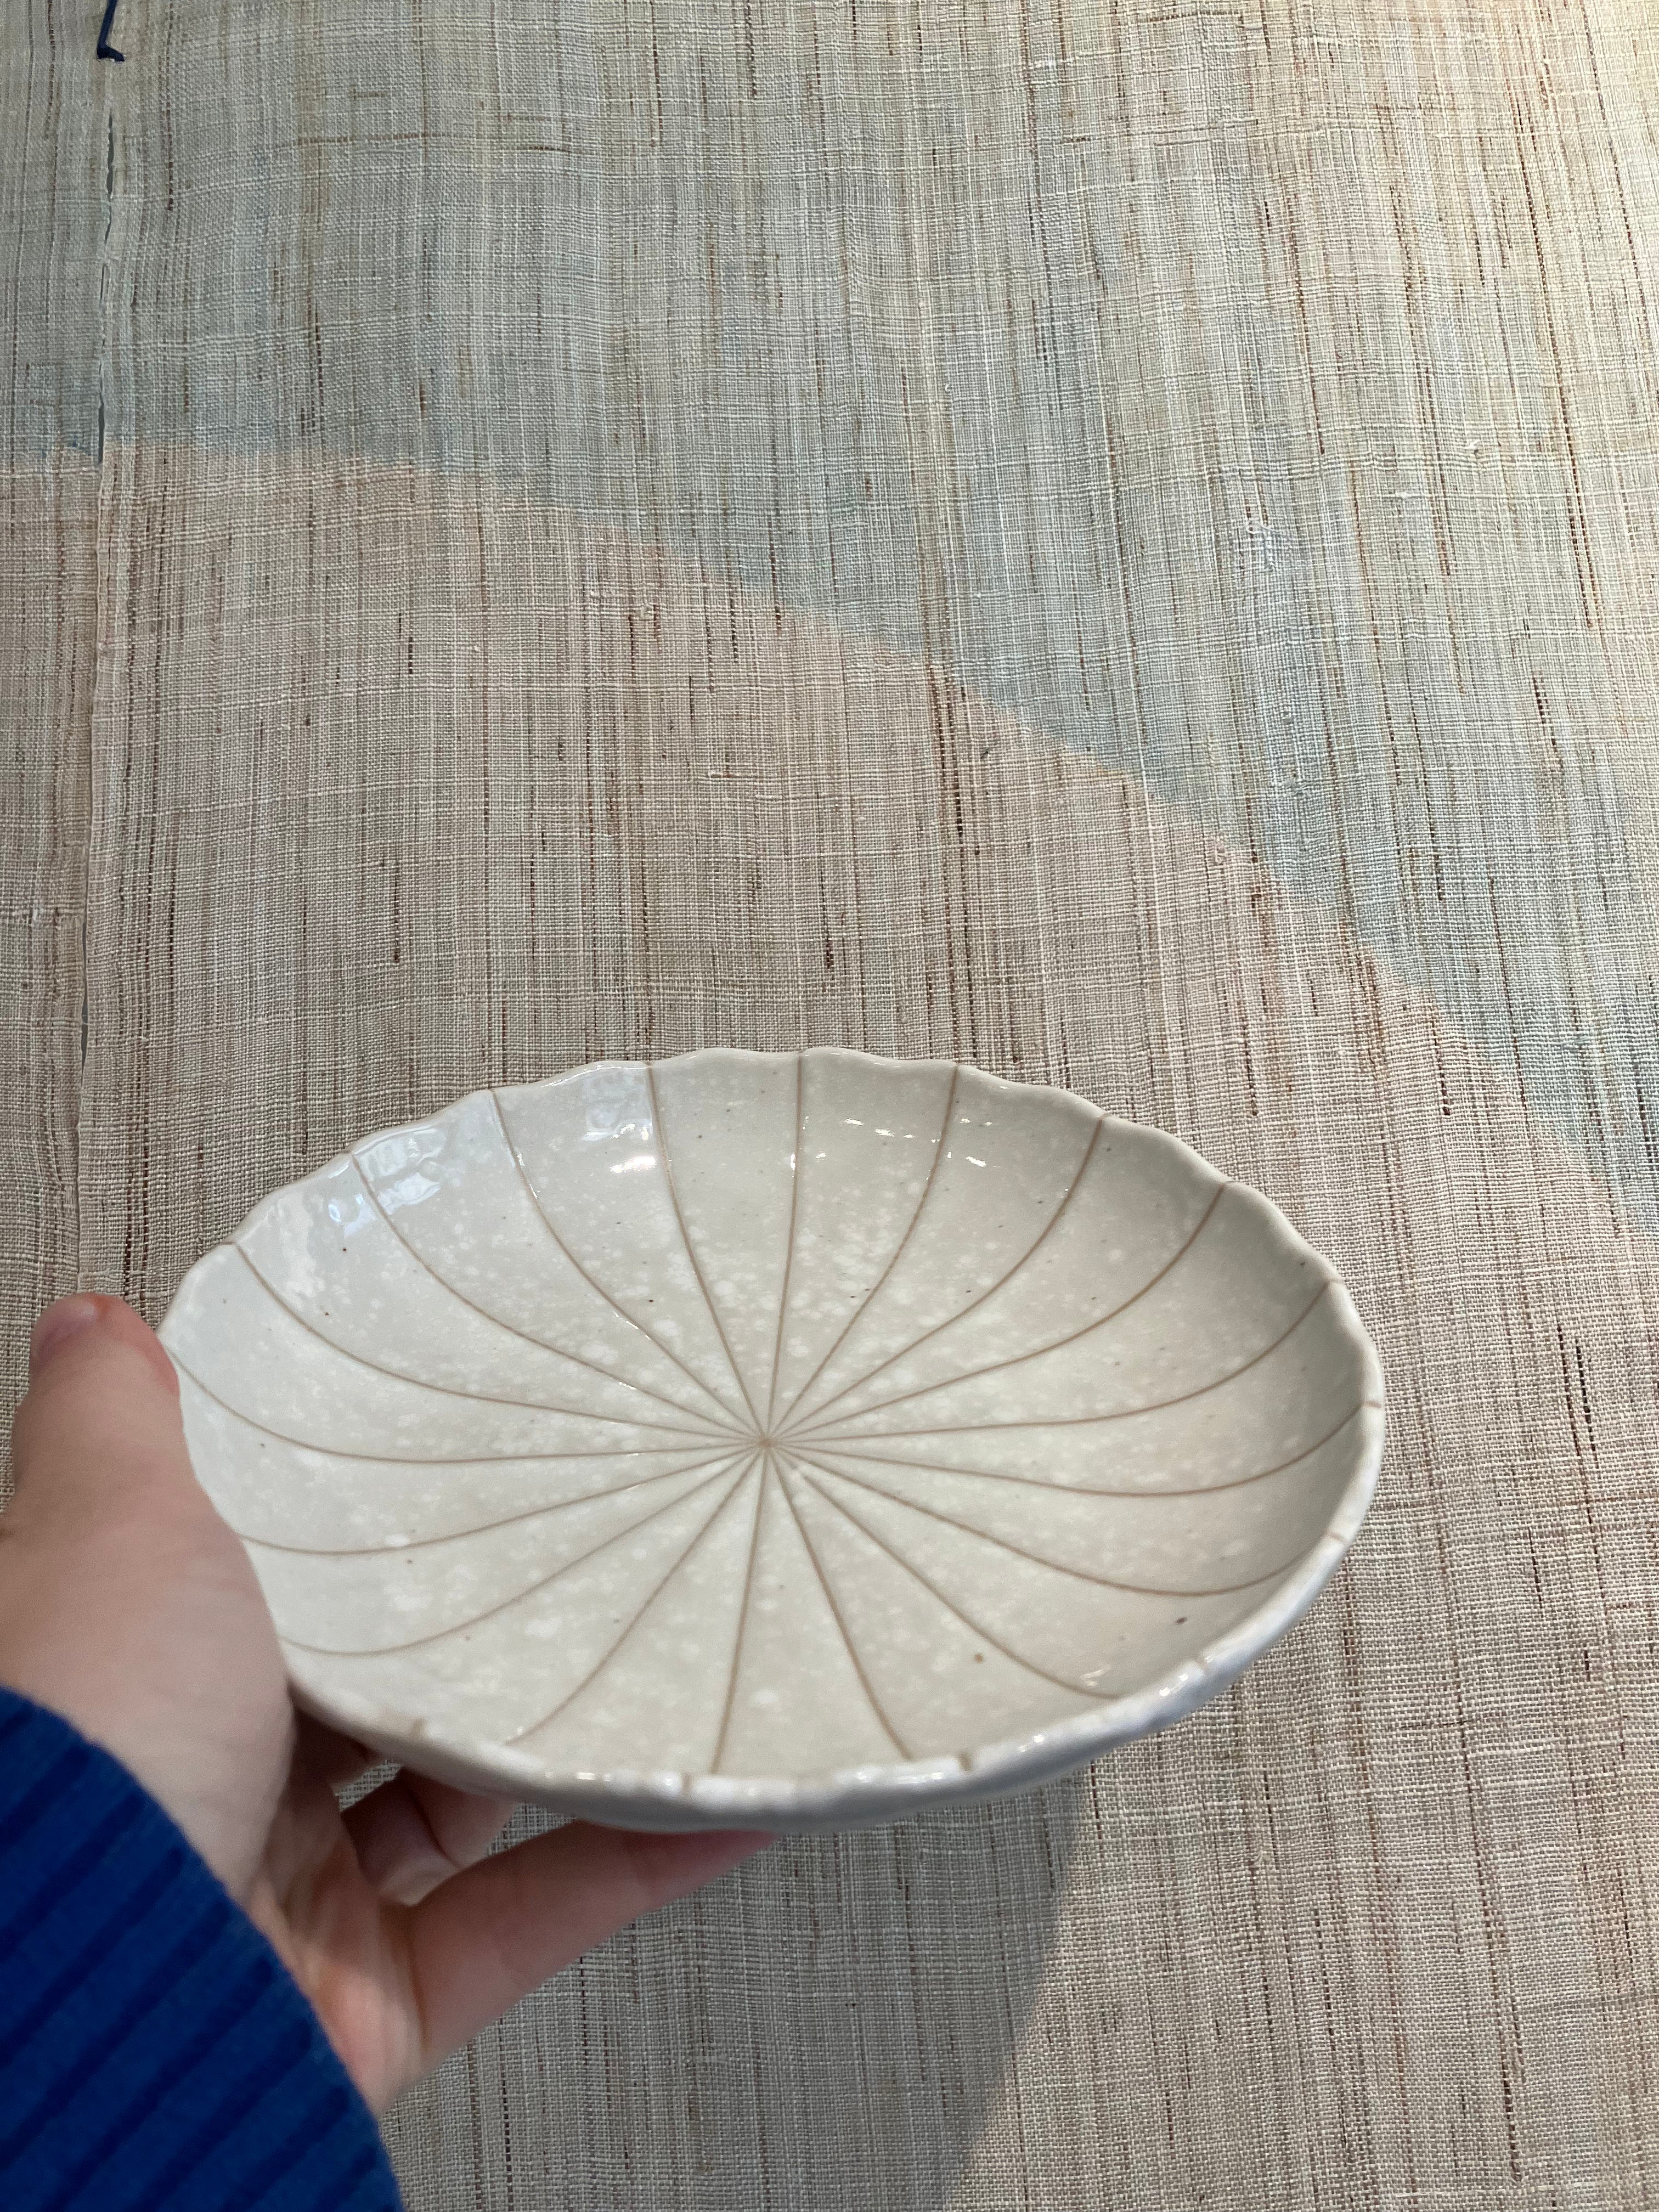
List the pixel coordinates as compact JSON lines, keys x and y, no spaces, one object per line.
{"x":127,"y":1606}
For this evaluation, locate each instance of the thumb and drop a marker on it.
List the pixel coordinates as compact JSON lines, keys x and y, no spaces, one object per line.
{"x":125,"y":1602}
{"x":99,"y":1435}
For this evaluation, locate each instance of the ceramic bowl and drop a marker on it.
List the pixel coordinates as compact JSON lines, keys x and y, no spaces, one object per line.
{"x":773,"y":1440}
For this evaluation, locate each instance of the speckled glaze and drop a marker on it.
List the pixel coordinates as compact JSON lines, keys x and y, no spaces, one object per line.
{"x":792,"y":1441}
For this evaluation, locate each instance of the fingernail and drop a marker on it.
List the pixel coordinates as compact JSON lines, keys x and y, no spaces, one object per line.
{"x":56,"y":1327}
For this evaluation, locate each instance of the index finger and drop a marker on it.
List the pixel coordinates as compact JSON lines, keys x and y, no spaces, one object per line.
{"x":488,"y":1936}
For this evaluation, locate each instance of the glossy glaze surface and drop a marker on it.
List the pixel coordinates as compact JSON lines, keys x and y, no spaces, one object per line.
{"x":784,"y":1438}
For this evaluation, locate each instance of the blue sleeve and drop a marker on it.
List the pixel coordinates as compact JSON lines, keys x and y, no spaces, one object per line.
{"x":153,"y":2050}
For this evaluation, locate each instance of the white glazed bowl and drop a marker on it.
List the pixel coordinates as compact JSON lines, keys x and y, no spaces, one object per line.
{"x":778,"y":1441}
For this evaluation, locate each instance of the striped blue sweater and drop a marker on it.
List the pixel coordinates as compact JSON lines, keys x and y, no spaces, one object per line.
{"x":154,"y":2052}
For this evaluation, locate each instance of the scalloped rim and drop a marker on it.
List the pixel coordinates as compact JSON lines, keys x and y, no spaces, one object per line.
{"x":862,"y":1796}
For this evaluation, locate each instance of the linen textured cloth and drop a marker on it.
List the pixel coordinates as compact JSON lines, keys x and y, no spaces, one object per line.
{"x":155,"y":2053}
{"x":1114,"y":540}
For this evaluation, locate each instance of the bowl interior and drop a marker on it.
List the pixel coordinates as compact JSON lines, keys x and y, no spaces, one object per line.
{"x":753,"y":1431}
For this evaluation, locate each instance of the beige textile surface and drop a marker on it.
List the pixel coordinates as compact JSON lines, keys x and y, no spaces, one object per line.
{"x":1117,"y":541}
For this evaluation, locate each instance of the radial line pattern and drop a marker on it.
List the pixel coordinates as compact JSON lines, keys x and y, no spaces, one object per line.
{"x":864,"y":1683}
{"x":1073,"y":1420}
{"x":1002,"y":1283}
{"x":406,"y":1459}
{"x":524,"y":1335}
{"x":473,"y":1620}
{"x":818,"y":1491}
{"x":792,"y":1412}
{"x":1091,"y":1489}
{"x":600,"y":1666}
{"x":657,"y":1123}
{"x":1001,"y":1543}
{"x":481,"y":1527}
{"x":448,"y":1390}
{"x":1020,"y":1359}
{"x":767,"y":1469}
{"x":592,"y":1283}
{"x":789,"y":1247}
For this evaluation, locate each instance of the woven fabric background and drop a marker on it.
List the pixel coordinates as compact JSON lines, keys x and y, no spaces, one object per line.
{"x":1116,"y":540}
